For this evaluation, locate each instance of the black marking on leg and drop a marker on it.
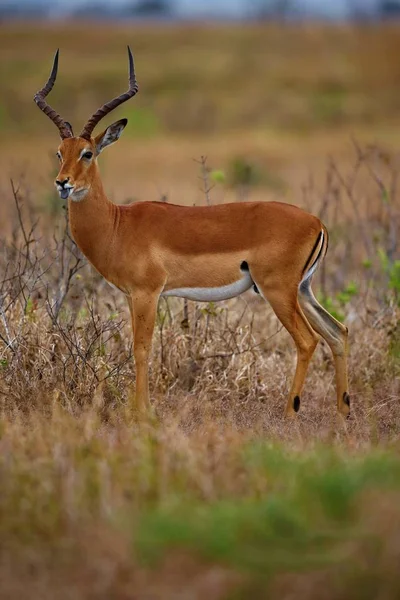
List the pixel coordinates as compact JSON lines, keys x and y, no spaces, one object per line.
{"x":296,"y":404}
{"x":255,"y":288}
{"x":346,"y":399}
{"x":244,"y":266}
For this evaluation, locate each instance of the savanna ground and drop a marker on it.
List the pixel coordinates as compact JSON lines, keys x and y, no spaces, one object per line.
{"x":218,"y":496}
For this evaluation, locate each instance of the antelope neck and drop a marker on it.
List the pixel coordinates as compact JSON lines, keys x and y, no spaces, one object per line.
{"x":93,"y":223}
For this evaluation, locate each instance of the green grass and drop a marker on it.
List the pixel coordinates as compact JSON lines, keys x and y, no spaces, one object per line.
{"x":273,"y":512}
{"x":309,"y":509}
{"x":142,"y":122}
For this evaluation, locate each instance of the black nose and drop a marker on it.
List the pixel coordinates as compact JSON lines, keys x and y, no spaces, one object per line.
{"x":63,"y":182}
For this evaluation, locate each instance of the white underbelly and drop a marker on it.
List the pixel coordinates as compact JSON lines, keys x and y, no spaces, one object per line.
{"x":213,"y":294}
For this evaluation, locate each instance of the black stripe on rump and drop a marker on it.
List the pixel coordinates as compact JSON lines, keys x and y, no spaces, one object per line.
{"x":307,"y":265}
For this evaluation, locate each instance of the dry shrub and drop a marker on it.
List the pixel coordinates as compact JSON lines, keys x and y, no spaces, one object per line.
{"x":65,"y":341}
{"x":214,"y":483}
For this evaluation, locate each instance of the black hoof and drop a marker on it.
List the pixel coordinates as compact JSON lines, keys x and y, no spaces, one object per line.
{"x":296,"y":404}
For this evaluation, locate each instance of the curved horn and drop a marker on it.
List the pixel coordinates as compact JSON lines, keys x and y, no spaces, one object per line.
{"x":39,"y":98}
{"x":109,"y":106}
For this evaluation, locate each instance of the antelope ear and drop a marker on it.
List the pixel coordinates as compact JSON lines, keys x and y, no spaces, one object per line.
{"x":110,"y":135}
{"x":69,"y":127}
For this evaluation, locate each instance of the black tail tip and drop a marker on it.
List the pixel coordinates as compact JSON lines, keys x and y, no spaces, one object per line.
{"x":296,"y":404}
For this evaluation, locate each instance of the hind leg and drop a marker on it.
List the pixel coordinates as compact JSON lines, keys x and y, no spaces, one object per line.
{"x":335,"y":334}
{"x":286,"y":307}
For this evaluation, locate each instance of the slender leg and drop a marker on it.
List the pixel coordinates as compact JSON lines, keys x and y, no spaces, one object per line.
{"x":143,"y":306}
{"x":129,"y":299}
{"x":286,"y":307}
{"x":335,"y":334}
{"x":131,"y":390}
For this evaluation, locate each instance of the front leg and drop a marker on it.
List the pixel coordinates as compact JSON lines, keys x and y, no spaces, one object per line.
{"x":143,"y":308}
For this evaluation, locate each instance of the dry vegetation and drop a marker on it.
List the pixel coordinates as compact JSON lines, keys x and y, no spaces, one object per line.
{"x":216,"y":496}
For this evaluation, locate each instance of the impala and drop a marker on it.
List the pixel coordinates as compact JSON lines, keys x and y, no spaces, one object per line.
{"x":210,"y":253}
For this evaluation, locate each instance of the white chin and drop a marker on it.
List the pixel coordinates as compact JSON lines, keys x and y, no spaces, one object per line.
{"x":78,"y":195}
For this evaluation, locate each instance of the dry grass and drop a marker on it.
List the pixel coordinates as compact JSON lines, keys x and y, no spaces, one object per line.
{"x":207,"y":78}
{"x":216,"y":496}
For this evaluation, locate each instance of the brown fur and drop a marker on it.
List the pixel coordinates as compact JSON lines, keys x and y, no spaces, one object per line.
{"x":150,"y":247}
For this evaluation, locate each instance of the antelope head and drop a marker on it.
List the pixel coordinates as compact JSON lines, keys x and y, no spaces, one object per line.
{"x":78,"y":154}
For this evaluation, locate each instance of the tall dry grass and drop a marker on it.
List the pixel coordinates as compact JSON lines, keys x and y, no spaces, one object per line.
{"x":217,"y":495}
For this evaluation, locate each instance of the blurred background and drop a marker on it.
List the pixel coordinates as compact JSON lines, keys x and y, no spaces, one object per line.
{"x":290,"y":100}
{"x":184,"y":9}
{"x":266,"y":89}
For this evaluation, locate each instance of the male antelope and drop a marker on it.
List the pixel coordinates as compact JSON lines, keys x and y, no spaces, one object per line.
{"x":210,"y":253}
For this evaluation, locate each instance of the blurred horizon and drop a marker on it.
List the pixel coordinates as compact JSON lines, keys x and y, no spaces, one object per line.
{"x":258,"y":98}
{"x":196,"y":9}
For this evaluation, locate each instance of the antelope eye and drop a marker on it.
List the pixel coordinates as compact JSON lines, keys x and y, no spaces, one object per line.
{"x":88,"y":155}
{"x":58,"y":155}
